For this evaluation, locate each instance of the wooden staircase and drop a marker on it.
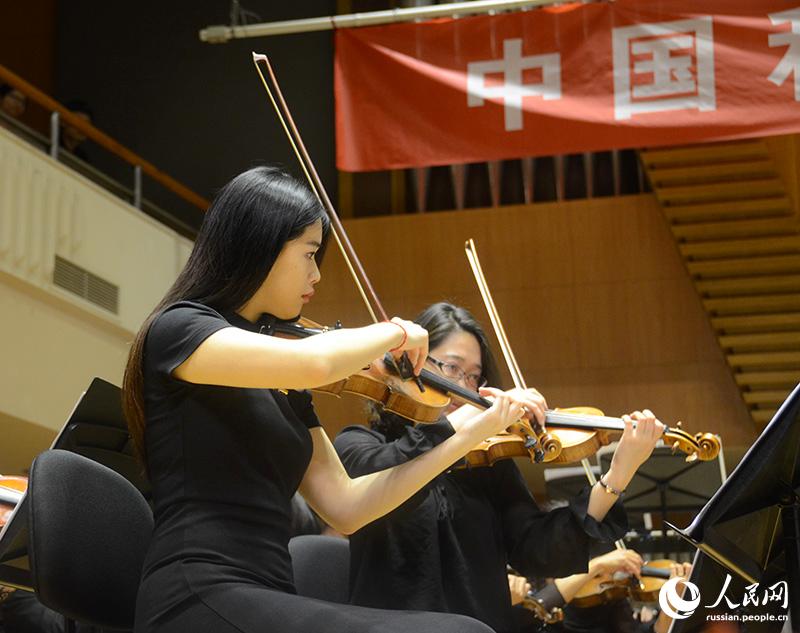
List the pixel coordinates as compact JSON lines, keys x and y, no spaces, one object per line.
{"x":739,"y":236}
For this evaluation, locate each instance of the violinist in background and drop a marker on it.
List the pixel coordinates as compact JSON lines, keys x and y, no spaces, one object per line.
{"x":446,"y":548}
{"x":614,"y":616}
{"x":611,"y":615}
{"x":218,"y":414}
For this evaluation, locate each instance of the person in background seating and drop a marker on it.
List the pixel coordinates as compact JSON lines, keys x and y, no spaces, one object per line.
{"x":72,"y":139}
{"x":12,"y":103}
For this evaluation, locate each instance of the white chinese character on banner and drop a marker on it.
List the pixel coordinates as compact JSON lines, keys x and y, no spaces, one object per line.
{"x":512,"y":90}
{"x":664,"y":66}
{"x":791,"y":38}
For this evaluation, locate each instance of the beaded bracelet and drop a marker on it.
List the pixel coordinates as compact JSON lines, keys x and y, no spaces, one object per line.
{"x":609,"y":489}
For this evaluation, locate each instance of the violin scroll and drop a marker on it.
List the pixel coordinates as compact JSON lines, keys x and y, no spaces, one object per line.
{"x":709,"y":446}
{"x":552,"y":615}
{"x":702,"y":446}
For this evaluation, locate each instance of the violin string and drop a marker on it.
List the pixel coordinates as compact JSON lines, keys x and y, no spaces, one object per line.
{"x":585,"y":421}
{"x":316,"y":185}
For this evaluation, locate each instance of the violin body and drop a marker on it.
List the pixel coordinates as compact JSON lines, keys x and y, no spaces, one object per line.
{"x":395,"y":394}
{"x":376,"y":382}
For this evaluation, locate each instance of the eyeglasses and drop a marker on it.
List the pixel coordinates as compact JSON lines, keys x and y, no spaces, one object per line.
{"x":451,"y":370}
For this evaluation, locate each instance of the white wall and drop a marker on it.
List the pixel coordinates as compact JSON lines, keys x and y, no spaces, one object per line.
{"x":52,"y":342}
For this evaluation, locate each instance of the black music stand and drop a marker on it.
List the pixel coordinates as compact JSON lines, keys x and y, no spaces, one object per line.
{"x":750,"y":529}
{"x":96,"y":429}
{"x":666,"y":483}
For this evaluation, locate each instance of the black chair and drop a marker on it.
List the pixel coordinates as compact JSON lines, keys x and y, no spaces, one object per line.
{"x":89,"y":529}
{"x":321,"y":567}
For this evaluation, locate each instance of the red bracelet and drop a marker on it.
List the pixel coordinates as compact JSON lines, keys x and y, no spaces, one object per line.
{"x":405,"y":336}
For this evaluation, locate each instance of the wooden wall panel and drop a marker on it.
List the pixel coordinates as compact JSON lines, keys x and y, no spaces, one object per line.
{"x":593,"y":294}
{"x":27,"y":46}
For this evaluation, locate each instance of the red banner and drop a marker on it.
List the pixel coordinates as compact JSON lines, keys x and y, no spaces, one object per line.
{"x":575,"y":78}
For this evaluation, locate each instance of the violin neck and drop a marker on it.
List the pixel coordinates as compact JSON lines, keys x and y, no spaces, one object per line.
{"x":453,"y":389}
{"x":568,"y":420}
{"x":655,"y":572}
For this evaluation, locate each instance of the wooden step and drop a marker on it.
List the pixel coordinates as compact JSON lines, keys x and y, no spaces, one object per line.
{"x":754,"y":304}
{"x":745,"y":266}
{"x":766,"y":397}
{"x":757,"y":322}
{"x":765,"y":360}
{"x":735,"y":228}
{"x":704,"y":154}
{"x":759,"y":208}
{"x":711,"y":172}
{"x":762,"y":416}
{"x":787,"y":379}
{"x":774,"y":245}
{"x":761,"y":341}
{"x":720,"y":192}
{"x":748,"y":285}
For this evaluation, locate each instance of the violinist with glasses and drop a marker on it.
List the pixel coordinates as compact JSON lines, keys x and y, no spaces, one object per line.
{"x":447,"y":547}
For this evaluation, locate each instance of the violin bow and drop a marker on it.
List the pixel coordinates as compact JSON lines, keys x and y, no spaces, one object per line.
{"x":365,"y":289}
{"x":505,"y":346}
{"x":494,"y":317}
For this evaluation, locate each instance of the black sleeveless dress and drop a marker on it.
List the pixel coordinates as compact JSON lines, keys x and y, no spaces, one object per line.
{"x":224,"y":463}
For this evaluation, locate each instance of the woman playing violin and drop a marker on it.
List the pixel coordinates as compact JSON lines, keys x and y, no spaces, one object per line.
{"x":218,"y":414}
{"x":446,"y":549}
{"x":609,"y":616}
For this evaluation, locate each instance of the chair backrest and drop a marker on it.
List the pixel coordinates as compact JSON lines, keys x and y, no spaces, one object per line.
{"x":321,"y":567}
{"x":89,"y":529}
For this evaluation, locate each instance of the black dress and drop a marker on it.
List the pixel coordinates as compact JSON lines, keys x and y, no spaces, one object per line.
{"x":446,"y":548}
{"x":224,"y":463}
{"x":614,"y":617}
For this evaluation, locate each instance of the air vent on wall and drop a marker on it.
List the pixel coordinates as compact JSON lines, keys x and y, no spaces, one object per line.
{"x":86,"y":285}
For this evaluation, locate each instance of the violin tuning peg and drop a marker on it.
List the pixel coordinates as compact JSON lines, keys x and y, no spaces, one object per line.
{"x":692,"y":457}
{"x":675,"y":446}
{"x":678,"y":424}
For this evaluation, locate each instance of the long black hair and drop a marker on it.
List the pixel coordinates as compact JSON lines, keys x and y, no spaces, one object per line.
{"x":243,"y":232}
{"x":441,"y":320}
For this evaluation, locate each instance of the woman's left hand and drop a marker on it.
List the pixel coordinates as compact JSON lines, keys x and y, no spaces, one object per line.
{"x":518,"y":587}
{"x":635,"y":447}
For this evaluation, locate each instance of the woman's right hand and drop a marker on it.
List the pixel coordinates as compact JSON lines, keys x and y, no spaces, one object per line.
{"x":415,"y":344}
{"x":624,"y":560}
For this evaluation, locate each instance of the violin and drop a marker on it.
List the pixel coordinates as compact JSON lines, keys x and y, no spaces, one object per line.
{"x":544,"y":613}
{"x":11,"y":491}
{"x":604,"y":590}
{"x":421,"y":399}
{"x":580,"y":432}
